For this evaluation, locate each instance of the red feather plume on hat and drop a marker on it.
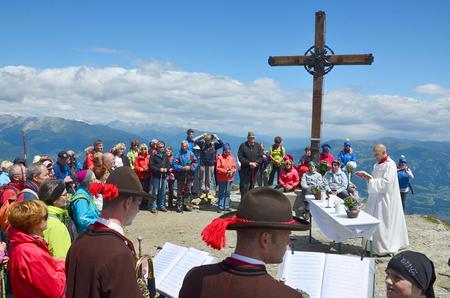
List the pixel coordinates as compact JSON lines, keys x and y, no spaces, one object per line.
{"x":108,"y":191}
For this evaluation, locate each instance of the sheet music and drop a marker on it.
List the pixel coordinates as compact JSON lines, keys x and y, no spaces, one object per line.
{"x":346,"y":276}
{"x":171,"y":284}
{"x":166,"y":259}
{"x":304,"y":271}
{"x":209,"y":260}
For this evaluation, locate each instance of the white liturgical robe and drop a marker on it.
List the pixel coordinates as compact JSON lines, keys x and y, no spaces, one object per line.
{"x":385,"y":204}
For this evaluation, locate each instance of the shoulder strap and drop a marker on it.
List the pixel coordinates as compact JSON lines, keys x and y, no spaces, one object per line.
{"x":30,"y":191}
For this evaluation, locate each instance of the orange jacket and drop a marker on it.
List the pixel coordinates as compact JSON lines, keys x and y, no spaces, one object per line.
{"x":141,"y":164}
{"x":223,"y":164}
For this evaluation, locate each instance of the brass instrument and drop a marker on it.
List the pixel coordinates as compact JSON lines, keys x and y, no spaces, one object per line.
{"x":145,"y":274}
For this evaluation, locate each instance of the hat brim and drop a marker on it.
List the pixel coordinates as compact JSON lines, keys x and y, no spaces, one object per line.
{"x":299,"y":225}
{"x":142,"y":194}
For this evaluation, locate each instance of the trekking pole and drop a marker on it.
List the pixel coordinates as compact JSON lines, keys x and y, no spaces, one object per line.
{"x":140,"y":246}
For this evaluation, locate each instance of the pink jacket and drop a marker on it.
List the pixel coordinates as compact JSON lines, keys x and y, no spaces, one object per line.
{"x":223,"y":164}
{"x":326,"y":157}
{"x":289,"y":178}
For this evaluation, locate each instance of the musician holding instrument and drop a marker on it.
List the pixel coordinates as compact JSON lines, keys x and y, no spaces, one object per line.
{"x":102,"y":261}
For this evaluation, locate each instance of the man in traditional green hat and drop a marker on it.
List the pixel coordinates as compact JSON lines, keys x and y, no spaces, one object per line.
{"x":263,"y":222}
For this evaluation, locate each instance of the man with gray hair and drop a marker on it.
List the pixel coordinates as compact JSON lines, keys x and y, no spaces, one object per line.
{"x":36,"y":174}
{"x":184,"y":163}
{"x":10,"y":191}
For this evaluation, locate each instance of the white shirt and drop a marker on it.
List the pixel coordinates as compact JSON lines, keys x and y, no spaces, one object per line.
{"x":111,"y":225}
{"x":118,"y":161}
{"x":247,"y":259}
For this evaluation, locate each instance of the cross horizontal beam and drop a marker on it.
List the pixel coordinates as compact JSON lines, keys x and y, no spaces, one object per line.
{"x":355,"y":59}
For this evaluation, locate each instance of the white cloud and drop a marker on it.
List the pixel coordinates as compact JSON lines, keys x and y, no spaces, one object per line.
{"x":432,"y":89}
{"x":160,"y":94}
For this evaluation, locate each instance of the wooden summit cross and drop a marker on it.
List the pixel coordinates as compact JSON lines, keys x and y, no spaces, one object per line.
{"x":318,"y":61}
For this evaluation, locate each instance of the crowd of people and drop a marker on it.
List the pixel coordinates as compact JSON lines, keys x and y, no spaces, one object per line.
{"x":54,"y":215}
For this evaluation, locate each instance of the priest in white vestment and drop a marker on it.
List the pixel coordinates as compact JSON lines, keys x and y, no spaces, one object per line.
{"x":385,"y":204}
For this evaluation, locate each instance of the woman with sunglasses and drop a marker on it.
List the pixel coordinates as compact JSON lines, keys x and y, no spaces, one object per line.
{"x":33,"y":271}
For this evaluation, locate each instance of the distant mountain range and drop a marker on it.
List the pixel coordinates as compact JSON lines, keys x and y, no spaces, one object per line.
{"x":430,"y":161}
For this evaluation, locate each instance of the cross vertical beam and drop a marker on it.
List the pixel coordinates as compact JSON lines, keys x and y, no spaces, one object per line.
{"x":318,"y":61}
{"x":316,"y":119}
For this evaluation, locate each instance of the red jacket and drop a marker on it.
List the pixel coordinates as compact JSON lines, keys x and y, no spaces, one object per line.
{"x":33,"y":271}
{"x":141,"y":164}
{"x":89,"y":163}
{"x":289,"y":178}
{"x":223,"y":164}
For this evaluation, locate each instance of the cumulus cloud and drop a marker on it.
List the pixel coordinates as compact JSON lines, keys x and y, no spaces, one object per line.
{"x":155,"y":93}
{"x":432,"y":89}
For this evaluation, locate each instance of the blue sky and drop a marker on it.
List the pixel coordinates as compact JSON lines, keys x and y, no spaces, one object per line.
{"x":409,"y":39}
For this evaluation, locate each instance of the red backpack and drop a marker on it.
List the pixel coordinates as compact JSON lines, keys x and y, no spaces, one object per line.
{"x":7,"y":202}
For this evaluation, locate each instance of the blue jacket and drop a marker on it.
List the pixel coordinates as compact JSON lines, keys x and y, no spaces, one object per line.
{"x":345,"y":157}
{"x":4,"y":178}
{"x":61,"y":171}
{"x":191,"y":143}
{"x":208,"y":152}
{"x":404,"y":177}
{"x":83,"y":210}
{"x":184,"y":158}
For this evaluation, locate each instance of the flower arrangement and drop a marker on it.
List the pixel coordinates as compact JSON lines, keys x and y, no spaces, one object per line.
{"x":351,"y":207}
{"x":317,"y":192}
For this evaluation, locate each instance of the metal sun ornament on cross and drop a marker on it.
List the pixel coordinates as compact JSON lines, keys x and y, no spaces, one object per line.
{"x":318,"y":60}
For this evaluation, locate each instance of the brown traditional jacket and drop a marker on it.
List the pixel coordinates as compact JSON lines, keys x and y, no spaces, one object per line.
{"x":101,"y":263}
{"x":232,"y":279}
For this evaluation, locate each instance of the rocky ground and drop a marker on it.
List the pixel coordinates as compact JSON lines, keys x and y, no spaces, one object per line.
{"x":426,"y":235}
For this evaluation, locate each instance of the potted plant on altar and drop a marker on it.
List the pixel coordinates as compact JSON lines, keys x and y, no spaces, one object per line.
{"x":351,"y":207}
{"x":317,"y":192}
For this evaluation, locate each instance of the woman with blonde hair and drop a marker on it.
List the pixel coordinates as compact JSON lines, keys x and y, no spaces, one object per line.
{"x":119,"y":155}
{"x":141,"y":163}
{"x":33,"y":271}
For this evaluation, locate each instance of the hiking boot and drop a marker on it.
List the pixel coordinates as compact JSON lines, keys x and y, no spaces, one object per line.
{"x":153,"y":210}
{"x":163,"y":209}
{"x":179,"y":209}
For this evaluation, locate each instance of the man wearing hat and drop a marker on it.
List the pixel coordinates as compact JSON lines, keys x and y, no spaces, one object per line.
{"x":250,"y":156}
{"x":263,"y":223}
{"x":101,"y":262}
{"x":405,"y":175}
{"x":335,"y":181}
{"x":61,"y":169}
{"x":346,"y":154}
